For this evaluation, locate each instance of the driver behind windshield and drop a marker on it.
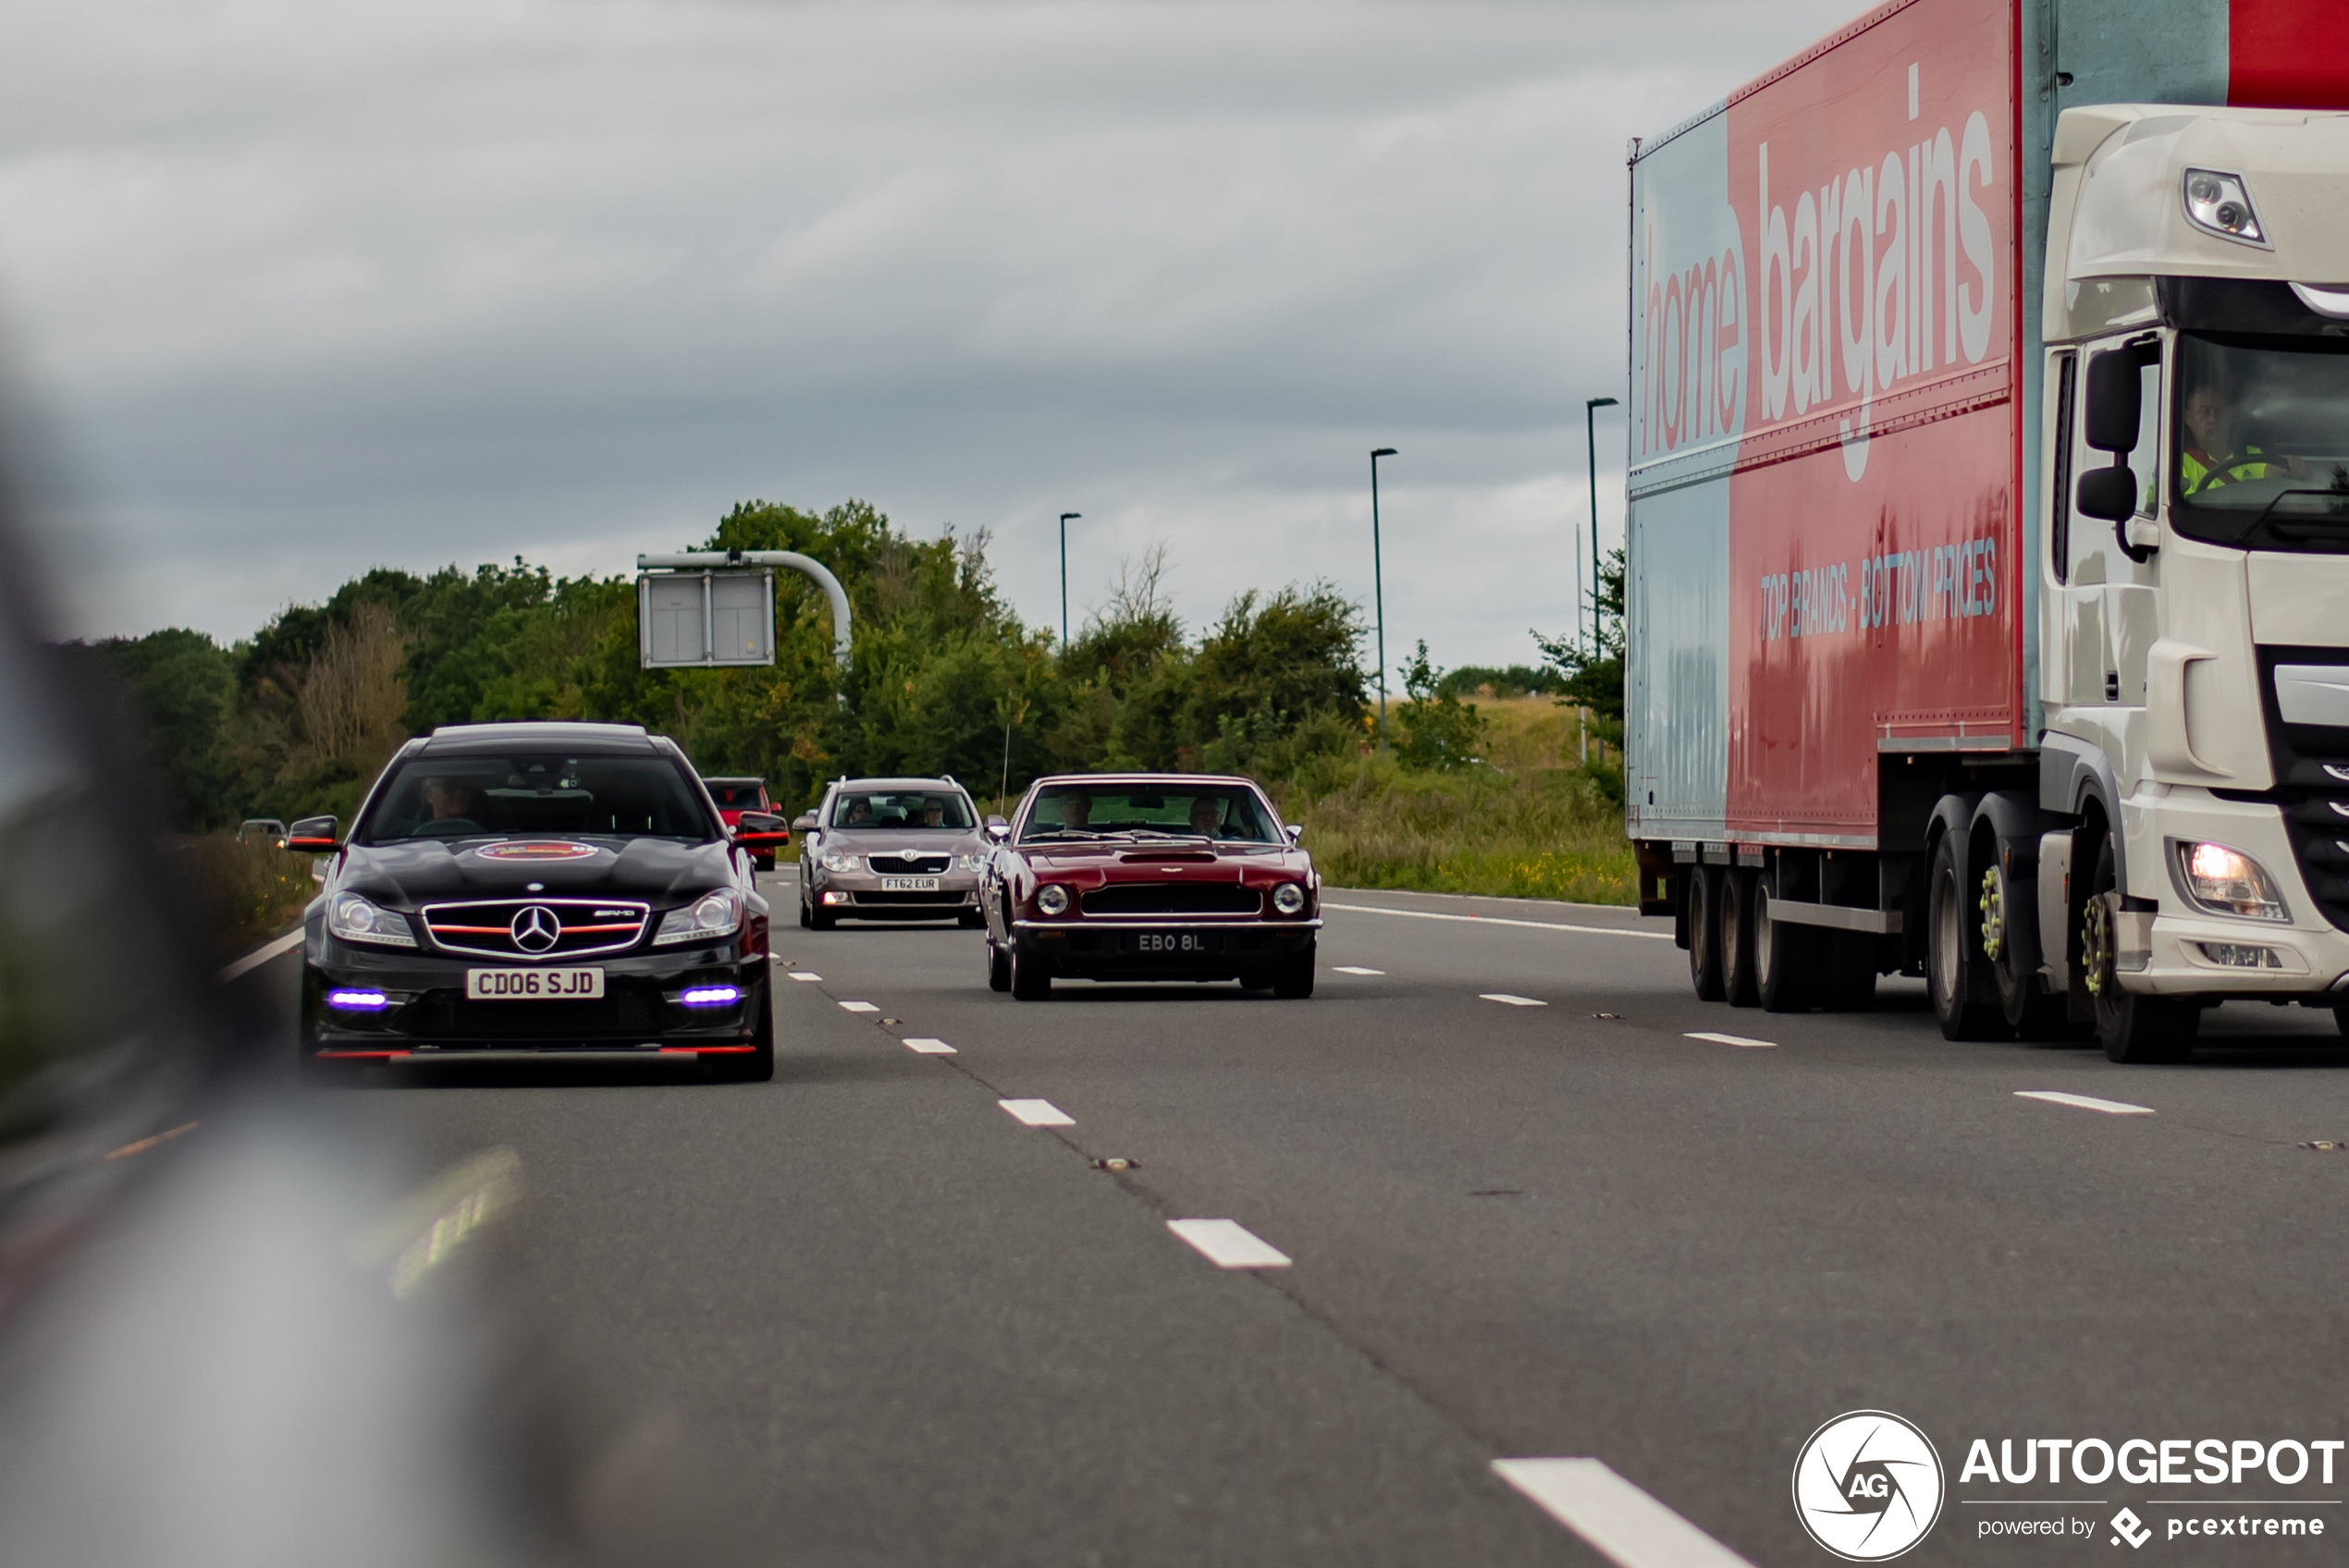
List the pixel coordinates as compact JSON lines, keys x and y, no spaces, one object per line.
{"x":449,"y":799}
{"x":2209,"y":458}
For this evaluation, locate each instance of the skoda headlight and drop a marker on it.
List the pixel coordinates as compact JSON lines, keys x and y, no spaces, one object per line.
{"x":1052,"y":899}
{"x":833,"y":860}
{"x":713,"y":915}
{"x":2227,"y":881}
{"x":970,"y":863}
{"x":355,"y":919}
{"x":1289,"y":898}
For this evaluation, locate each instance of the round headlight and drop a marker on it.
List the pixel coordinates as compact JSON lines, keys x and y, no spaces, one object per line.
{"x":1052,"y":899}
{"x":1288,"y":898}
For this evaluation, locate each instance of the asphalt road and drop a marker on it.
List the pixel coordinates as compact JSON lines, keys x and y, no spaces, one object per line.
{"x":912,"y":1330}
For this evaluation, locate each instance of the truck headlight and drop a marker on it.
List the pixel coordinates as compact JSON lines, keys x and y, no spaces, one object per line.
{"x":840,"y":863}
{"x":1288,"y":898}
{"x":2219,"y":203}
{"x":2226,"y":881}
{"x":1052,"y":899}
{"x":355,"y":919}
{"x":714,"y":914}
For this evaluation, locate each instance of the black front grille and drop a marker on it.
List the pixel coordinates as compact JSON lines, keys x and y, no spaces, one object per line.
{"x":909,"y":864}
{"x":621,"y":1014}
{"x":1173,"y":897}
{"x":582,"y":925}
{"x":2312,"y":778}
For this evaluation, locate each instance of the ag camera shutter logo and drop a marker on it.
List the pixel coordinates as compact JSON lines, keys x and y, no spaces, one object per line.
{"x":1868,"y":1486}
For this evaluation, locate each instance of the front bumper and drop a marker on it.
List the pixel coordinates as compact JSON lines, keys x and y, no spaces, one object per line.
{"x":1098,"y":949}
{"x":859,"y":896}
{"x":428,"y":1012}
{"x":2167,"y":951}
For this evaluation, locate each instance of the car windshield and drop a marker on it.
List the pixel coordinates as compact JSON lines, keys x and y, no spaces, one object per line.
{"x":735,"y":795}
{"x":2262,"y":443}
{"x":894,"y":809}
{"x":1230,"y":812}
{"x":469,"y":797}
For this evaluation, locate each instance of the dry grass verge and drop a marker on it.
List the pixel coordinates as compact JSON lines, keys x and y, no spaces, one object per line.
{"x":250,"y":890}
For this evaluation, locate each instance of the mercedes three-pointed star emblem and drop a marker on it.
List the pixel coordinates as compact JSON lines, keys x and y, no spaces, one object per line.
{"x":535,"y":930}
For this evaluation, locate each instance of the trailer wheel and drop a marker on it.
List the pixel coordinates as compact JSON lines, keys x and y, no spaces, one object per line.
{"x":1738,"y":985}
{"x":2131,"y":1028}
{"x":1953,"y":955}
{"x":1705,"y":930}
{"x":1784,"y":959}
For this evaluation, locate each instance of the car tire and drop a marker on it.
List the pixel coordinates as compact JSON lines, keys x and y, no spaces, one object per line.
{"x":1704,"y":931}
{"x":1293,"y":979}
{"x":970,"y":919}
{"x":1962,"y":1005}
{"x":757,"y":1065}
{"x":1738,"y":987}
{"x":2131,"y":1028}
{"x":764,"y":862}
{"x":1031,"y":980}
{"x":1785,"y":959}
{"x":998,"y":968}
{"x":2340,"y":1017}
{"x":820,"y":919}
{"x":807,"y":916}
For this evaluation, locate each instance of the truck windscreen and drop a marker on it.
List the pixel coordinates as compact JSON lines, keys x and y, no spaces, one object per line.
{"x":2261,"y":442}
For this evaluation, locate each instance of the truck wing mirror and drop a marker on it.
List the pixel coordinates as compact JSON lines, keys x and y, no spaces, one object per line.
{"x":313,"y":836}
{"x":2108,"y":492}
{"x":2115,"y":401}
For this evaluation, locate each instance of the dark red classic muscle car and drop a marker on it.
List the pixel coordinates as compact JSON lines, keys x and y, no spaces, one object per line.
{"x":1149,"y":876}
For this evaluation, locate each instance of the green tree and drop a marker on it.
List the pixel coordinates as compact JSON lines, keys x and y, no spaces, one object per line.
{"x":1439,"y":732}
{"x":1594,"y":676}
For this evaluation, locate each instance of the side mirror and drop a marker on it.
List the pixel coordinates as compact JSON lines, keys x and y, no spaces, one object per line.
{"x":2115,"y":401}
{"x":313,"y":836}
{"x":998,"y":829}
{"x":1296,"y":831}
{"x":761,"y":830}
{"x":2107,"y":493}
{"x":804,"y":822}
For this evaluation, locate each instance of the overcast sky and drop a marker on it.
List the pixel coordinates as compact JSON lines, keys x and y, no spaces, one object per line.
{"x":309,"y":287}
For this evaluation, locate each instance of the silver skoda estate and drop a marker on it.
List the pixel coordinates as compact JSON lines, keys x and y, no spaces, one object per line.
{"x":891,"y":849}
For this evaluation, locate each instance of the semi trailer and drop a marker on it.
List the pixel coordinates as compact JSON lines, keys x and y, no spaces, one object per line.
{"x":1987,"y":608}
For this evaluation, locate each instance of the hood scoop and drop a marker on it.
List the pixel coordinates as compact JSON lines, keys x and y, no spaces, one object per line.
{"x":1168,"y":857}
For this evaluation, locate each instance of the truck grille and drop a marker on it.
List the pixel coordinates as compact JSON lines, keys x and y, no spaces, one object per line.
{"x":2312,"y":778}
{"x":1175,"y":898}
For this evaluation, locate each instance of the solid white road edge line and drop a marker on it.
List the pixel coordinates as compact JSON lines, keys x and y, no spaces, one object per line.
{"x":2085,"y":1102}
{"x":1504,"y":996}
{"x":262,"y":955}
{"x":928,"y":1046}
{"x":1229,"y":1244}
{"x":1621,"y":1521}
{"x":1498,"y":920}
{"x":859,"y":1007}
{"x":1739,"y":1040}
{"x":1037,"y":1113}
{"x":1353,"y":969}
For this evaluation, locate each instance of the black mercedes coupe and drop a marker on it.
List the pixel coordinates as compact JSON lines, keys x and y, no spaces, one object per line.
{"x":538,"y":890}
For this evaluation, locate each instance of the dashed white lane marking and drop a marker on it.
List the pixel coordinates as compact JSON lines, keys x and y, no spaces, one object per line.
{"x":1351,"y":969}
{"x":1037,"y":1113}
{"x":1227,"y":1244}
{"x":803,"y":974}
{"x":928,"y":1046}
{"x":859,"y":1006}
{"x":1498,"y":920}
{"x":262,"y":955}
{"x":2085,"y":1102}
{"x":1624,"y":1524}
{"x":1506,"y":1000}
{"x":1739,"y":1040}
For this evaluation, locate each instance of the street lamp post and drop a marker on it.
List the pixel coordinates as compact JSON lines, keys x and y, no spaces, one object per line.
{"x":1064,"y":517}
{"x":1590,"y":407}
{"x":1378,"y":592}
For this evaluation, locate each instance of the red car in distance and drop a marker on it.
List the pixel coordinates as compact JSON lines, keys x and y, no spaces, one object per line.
{"x":735,"y":796}
{"x":1149,"y":876}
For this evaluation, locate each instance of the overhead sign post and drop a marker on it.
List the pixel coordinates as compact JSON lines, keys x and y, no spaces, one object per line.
{"x":700,"y":609}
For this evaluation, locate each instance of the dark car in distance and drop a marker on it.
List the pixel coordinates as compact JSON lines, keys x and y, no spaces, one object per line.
{"x":1149,"y":876}
{"x":537,"y":889}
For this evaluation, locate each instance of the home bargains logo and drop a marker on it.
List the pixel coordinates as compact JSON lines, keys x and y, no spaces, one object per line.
{"x":1868,"y":1486}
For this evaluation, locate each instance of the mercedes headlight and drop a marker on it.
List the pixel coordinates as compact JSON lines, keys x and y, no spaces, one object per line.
{"x":1289,"y":898}
{"x":356,"y":919}
{"x":712,"y":916}
{"x":2227,"y":881}
{"x":837,"y":862}
{"x":1052,"y":899}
